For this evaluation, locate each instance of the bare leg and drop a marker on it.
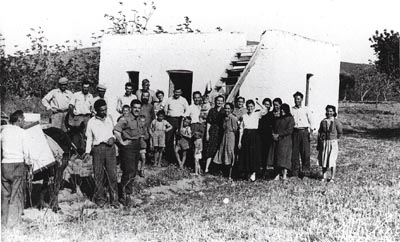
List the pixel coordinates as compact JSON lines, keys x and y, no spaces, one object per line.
{"x":284,"y":174}
{"x":178,"y":158}
{"x":196,"y":167}
{"x":182,"y":164}
{"x":333,"y":170}
{"x":324,"y":176}
{"x":208,"y":162}
{"x":160,"y":156}
{"x":156,"y":155}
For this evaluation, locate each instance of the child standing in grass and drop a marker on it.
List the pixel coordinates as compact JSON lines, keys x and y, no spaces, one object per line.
{"x":143,"y":145}
{"x":329,"y":132}
{"x":198,"y":149}
{"x":182,"y":144}
{"x":158,"y":129}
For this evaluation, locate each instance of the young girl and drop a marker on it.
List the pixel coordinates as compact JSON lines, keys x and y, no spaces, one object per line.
{"x":161,"y":102}
{"x":329,"y":132}
{"x":249,"y":141}
{"x":158,"y":128}
{"x":182,"y":144}
{"x":143,"y":145}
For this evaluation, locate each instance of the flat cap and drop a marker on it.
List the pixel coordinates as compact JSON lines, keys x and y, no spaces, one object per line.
{"x":63,"y":80}
{"x":101,"y":87}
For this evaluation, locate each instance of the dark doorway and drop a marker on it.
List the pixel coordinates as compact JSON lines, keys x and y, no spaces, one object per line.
{"x":182,"y":79}
{"x":308,"y":89}
{"x":134,"y":79}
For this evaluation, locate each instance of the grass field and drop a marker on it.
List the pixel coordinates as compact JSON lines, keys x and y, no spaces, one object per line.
{"x":363,"y":204}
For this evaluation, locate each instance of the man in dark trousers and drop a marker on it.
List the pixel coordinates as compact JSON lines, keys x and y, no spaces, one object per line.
{"x":128,"y":132}
{"x":301,"y":137}
{"x":15,"y":158}
{"x":100,"y":143}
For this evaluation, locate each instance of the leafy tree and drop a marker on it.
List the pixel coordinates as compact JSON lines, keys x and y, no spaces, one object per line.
{"x":386,"y":46}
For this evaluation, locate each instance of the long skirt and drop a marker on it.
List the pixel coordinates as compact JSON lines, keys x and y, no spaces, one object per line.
{"x":328,"y":153}
{"x":250,"y":154}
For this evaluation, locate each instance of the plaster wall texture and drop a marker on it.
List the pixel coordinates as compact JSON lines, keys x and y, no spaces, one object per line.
{"x":152,"y":55}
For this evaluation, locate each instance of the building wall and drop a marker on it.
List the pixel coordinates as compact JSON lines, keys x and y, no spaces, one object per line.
{"x":282,"y":66}
{"x":205,"y":54}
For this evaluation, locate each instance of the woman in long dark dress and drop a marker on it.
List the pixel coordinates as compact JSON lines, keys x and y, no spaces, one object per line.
{"x":282,"y":134}
{"x":265,"y":129}
{"x":276,"y":113}
{"x":249,"y":142}
{"x":214,"y":132}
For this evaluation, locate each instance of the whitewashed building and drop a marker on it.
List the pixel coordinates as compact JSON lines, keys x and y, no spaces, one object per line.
{"x":279,"y":65}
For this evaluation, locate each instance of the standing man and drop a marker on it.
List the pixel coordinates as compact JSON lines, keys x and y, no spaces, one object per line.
{"x":147,"y":108}
{"x":57,"y":100}
{"x":100,"y":143}
{"x":127,"y":98}
{"x":175,"y":108}
{"x":194,"y":112}
{"x":128,"y":132}
{"x":101,"y":91}
{"x":81,"y":106}
{"x":15,"y":158}
{"x":301,"y":137}
{"x":146,"y":87}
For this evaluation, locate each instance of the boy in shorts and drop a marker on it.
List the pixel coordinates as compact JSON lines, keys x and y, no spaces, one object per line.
{"x":158,"y":128}
{"x":182,"y":144}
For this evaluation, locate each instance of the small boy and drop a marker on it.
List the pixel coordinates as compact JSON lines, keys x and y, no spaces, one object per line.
{"x":182,"y":144}
{"x":198,"y":149}
{"x":158,"y":129}
{"x":126,"y":110}
{"x":143,"y":145}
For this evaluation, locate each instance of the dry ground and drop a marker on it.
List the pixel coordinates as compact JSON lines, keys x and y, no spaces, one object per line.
{"x":362,"y":205}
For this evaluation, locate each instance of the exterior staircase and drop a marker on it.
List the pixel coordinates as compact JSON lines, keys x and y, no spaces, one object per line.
{"x":239,"y":67}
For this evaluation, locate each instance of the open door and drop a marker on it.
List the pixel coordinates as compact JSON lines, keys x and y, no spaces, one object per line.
{"x":134,"y":79}
{"x":182,"y":79}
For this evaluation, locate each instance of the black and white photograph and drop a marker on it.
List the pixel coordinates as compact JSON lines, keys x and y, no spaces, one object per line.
{"x":150,"y":120}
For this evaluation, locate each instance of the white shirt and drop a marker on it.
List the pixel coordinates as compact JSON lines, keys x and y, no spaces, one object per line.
{"x":57,"y":99}
{"x":83,"y":104}
{"x":194,"y":112}
{"x":14,"y":145}
{"x":125,"y":100}
{"x":98,"y":131}
{"x":301,"y":117}
{"x":176,"y":107}
{"x":250,"y":121}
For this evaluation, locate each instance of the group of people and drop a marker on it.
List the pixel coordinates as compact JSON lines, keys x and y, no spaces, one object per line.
{"x":244,"y":139}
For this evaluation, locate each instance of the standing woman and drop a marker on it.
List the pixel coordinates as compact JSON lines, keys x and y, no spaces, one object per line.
{"x":329,"y":132}
{"x":265,"y":129}
{"x":249,"y":141}
{"x":214,"y":131}
{"x":226,"y":154}
{"x":282,"y":135}
{"x":276,"y":113}
{"x":240,"y":109}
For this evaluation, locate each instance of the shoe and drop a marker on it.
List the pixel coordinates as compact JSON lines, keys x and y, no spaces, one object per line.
{"x":253,"y":177}
{"x":332,"y":180}
{"x":276,"y":178}
{"x":140,"y":173}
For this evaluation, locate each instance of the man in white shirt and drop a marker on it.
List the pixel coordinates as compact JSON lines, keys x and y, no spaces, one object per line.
{"x":301,"y":137}
{"x":57,"y":100}
{"x":15,"y":158}
{"x":175,"y":108}
{"x":100,"y":143}
{"x":81,"y":106}
{"x":127,"y":98}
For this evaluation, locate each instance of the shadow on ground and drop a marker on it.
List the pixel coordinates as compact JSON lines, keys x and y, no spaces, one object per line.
{"x":384,"y":133}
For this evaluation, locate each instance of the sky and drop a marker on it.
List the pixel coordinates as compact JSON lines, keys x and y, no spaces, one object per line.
{"x":348,"y":23}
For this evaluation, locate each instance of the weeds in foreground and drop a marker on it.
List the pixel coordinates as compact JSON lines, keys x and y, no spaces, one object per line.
{"x":362,"y":205}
